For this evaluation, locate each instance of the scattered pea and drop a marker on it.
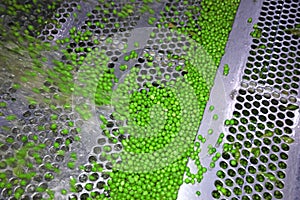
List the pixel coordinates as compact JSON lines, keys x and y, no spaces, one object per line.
{"x":225,"y":70}
{"x":215,"y":117}
{"x":287,"y":139}
{"x":63,"y":192}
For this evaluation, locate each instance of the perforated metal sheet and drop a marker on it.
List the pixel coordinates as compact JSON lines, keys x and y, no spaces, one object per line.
{"x":262,"y":81}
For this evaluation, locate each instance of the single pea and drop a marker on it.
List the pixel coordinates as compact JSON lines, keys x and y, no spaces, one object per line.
{"x":63,"y":191}
{"x":53,"y":126}
{"x":215,"y":117}
{"x":167,"y":77}
{"x":287,"y":139}
{"x":227,"y":122}
{"x":136,"y":44}
{"x":233,"y":163}
{"x":123,"y":67}
{"x":64,"y":131}
{"x":24,"y":138}
{"x":126,"y":58}
{"x":152,"y":35}
{"x":11,"y":117}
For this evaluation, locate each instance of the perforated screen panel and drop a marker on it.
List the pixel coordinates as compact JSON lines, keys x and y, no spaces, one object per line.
{"x":149,"y":99}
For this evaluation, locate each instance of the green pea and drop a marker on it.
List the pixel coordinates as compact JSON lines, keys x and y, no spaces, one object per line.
{"x":126,"y":58}
{"x":268,"y":133}
{"x":226,"y":70}
{"x":3,"y":104}
{"x":11,"y":117}
{"x":63,"y":192}
{"x":256,"y":152}
{"x":287,"y":139}
{"x":291,"y":107}
{"x":215,"y":117}
{"x":123,"y":67}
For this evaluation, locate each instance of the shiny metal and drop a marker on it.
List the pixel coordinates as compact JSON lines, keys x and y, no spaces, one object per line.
{"x":274,"y":16}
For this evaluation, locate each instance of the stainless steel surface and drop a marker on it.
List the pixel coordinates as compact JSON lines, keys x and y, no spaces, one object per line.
{"x":274,"y":17}
{"x":223,"y":95}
